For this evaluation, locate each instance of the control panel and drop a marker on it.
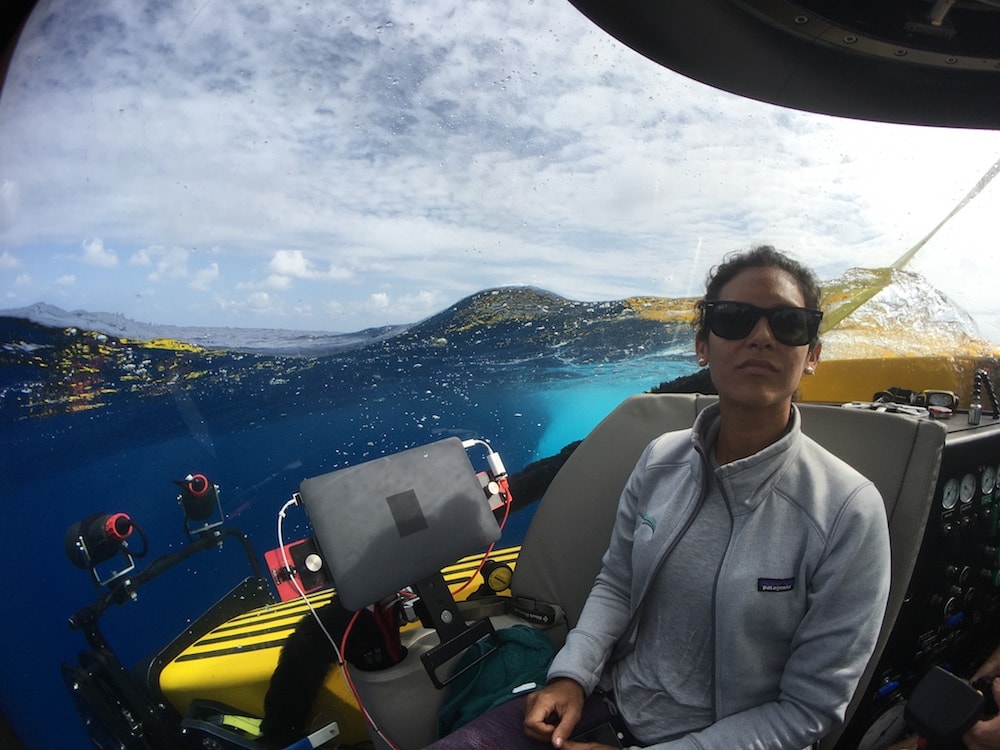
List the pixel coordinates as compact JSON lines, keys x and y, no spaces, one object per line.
{"x":951,"y":614}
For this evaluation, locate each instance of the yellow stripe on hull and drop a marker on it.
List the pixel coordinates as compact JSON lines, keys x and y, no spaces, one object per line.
{"x":234,"y":662}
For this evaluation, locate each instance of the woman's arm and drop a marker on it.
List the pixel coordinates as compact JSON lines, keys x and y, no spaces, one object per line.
{"x":607,"y":612}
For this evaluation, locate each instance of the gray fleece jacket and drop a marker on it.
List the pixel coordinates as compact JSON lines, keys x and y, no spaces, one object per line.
{"x":800,"y":594}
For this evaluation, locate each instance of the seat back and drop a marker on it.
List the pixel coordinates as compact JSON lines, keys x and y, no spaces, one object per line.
{"x":563,"y":547}
{"x":902,"y":457}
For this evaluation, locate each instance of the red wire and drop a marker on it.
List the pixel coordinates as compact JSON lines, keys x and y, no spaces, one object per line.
{"x":350,"y":681}
{"x":505,"y":491}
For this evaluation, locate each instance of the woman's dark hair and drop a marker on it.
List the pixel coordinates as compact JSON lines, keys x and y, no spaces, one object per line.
{"x":761,"y":256}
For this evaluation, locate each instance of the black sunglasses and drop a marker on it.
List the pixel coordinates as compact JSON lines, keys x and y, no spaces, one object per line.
{"x":791,"y":326}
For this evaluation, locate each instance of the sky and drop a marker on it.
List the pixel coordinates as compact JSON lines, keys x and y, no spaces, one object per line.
{"x":334,"y":166}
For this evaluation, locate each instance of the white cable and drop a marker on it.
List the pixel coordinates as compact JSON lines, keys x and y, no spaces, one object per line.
{"x":341,"y":662}
{"x":492,"y":457}
{"x":293,"y":577}
{"x":476,"y":441}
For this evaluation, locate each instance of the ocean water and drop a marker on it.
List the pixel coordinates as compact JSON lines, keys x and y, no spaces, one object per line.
{"x":256,"y":433}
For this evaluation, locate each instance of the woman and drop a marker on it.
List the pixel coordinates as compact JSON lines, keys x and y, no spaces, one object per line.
{"x":747,"y":574}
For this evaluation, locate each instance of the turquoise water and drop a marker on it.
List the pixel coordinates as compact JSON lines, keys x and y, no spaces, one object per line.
{"x":569,"y":413}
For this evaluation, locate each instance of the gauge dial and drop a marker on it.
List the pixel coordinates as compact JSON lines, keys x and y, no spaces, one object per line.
{"x":949,"y":496}
{"x":968,"y":489}
{"x":988,"y":480}
{"x":499,"y":578}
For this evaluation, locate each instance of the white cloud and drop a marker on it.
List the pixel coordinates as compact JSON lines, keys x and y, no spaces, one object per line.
{"x":8,"y":262}
{"x":169,"y":262}
{"x":406,"y":307}
{"x":278,"y":282}
{"x":204,"y":278}
{"x":95,"y":254}
{"x":294,"y":264}
{"x":413,"y":307}
{"x":140,"y":258}
{"x":259,"y":302}
{"x":378,"y":301}
{"x":290,"y":263}
{"x":22,"y":280}
{"x":412,"y":147}
{"x":66,"y":280}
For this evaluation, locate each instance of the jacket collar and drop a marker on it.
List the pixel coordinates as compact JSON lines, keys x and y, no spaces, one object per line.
{"x":746,"y":482}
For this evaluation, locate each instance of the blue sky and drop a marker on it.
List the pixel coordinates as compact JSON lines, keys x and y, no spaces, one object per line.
{"x":333,"y":166}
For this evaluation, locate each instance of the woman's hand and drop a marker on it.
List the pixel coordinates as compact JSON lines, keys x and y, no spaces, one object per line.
{"x":985,"y":735}
{"x":551,"y":713}
{"x":989,"y":668}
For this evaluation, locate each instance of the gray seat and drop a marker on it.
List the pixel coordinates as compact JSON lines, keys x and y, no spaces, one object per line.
{"x":563,"y":547}
{"x":562,"y":550}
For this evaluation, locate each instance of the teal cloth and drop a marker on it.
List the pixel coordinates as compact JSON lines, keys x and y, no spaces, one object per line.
{"x":524,"y":655}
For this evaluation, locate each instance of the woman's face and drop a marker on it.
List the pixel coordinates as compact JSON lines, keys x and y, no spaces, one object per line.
{"x":758,"y":372}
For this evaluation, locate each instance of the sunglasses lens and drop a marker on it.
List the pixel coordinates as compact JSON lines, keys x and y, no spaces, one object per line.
{"x":732,"y":320}
{"x":791,"y":326}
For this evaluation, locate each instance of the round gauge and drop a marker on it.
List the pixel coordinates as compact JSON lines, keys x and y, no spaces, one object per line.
{"x":988,"y":480}
{"x":499,"y":578}
{"x":968,"y":488}
{"x":949,"y":496}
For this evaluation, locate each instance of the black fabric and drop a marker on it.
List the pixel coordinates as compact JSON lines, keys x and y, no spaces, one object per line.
{"x":307,"y":657}
{"x":528,"y":485}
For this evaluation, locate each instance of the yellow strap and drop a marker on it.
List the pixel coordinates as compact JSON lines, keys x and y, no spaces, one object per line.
{"x":248,"y":725}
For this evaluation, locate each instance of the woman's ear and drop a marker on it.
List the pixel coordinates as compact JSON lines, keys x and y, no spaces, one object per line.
{"x":701,"y":351}
{"x":812,"y":359}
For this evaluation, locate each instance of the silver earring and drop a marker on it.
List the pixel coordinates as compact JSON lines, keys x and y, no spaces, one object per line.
{"x":810,"y":370}
{"x":702,"y":361}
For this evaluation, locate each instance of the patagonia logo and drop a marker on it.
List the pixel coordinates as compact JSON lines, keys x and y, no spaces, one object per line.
{"x":775,"y":584}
